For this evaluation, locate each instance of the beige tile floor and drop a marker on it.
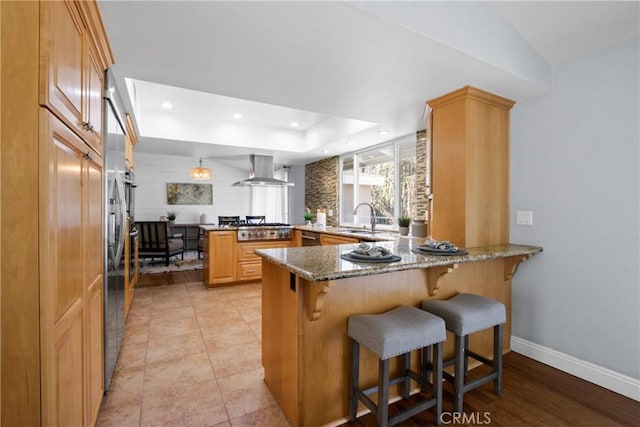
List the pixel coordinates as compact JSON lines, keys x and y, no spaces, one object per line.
{"x":191,"y":357}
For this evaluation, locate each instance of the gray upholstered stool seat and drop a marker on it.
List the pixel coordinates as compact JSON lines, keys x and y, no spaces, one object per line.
{"x":465,"y":314}
{"x":397,"y":332}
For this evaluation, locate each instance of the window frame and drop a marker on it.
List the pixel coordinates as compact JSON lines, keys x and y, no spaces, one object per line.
{"x":395,"y":144}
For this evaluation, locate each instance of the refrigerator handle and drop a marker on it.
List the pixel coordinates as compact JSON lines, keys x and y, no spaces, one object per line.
{"x":123,"y":216}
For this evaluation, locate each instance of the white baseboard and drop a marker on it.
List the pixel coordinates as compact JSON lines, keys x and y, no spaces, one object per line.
{"x":611,"y":380}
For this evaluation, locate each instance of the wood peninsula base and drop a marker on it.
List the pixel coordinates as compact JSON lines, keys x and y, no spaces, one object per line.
{"x":305,"y":349}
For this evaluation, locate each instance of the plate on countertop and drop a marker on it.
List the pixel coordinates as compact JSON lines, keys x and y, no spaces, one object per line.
{"x":424,"y":250}
{"x":356,"y":257}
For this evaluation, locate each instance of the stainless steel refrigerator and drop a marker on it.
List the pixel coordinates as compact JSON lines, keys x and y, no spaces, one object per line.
{"x":115,"y":232}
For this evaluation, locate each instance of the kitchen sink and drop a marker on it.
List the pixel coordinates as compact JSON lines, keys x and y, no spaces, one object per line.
{"x":358,"y":231}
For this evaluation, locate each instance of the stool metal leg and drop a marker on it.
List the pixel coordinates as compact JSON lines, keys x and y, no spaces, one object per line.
{"x":497,"y":358}
{"x":427,"y":367}
{"x":354,"y":380}
{"x":404,"y":367}
{"x":466,"y":355}
{"x":437,"y":381}
{"x":383,"y":393}
{"x":459,"y":373}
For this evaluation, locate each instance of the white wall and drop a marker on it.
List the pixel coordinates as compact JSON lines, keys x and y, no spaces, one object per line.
{"x":575,"y":163}
{"x":154,"y":171}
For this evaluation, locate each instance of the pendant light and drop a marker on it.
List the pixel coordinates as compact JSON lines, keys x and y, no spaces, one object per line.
{"x":200,"y":173}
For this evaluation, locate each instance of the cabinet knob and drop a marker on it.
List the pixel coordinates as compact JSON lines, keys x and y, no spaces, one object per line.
{"x":88,"y":155}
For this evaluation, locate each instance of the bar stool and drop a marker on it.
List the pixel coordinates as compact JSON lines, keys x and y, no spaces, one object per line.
{"x":465,"y":314}
{"x":396,"y":333}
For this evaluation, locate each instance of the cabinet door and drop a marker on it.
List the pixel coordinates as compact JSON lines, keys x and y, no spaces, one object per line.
{"x":93,"y":282}
{"x":297,"y":238}
{"x":94,"y":384}
{"x":72,"y":76}
{"x":62,"y":59}
{"x":128,"y":152}
{"x":222,"y":259}
{"x":136,"y":270}
{"x":128,"y":287}
{"x":61,"y":290}
{"x":93,"y":93}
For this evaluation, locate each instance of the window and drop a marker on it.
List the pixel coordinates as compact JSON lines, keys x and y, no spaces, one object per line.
{"x":272,"y":202}
{"x":384,"y":177}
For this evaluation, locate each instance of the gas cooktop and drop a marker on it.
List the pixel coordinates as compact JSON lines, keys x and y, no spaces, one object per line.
{"x":267,"y":231}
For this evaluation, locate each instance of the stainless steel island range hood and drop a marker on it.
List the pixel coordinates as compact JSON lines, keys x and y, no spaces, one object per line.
{"x":261,"y":174}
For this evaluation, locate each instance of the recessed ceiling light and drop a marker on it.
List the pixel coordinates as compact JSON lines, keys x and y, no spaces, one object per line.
{"x":237,"y":116}
{"x":294,"y":124}
{"x":383,"y":132}
{"x":348,"y":143}
{"x":167,"y":105}
{"x":325,"y":151}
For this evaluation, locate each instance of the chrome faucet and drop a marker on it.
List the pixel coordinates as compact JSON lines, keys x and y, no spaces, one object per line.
{"x":373,"y":214}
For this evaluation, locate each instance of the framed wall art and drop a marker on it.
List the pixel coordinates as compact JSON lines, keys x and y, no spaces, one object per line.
{"x":189,"y":194}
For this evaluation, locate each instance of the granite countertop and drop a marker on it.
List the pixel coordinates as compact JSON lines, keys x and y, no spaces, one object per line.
{"x":360,"y":233}
{"x":318,"y":263}
{"x":356,"y":233}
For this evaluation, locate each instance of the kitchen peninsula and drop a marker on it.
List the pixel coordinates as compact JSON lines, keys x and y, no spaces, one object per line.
{"x":309,"y":293}
{"x":229,"y":251}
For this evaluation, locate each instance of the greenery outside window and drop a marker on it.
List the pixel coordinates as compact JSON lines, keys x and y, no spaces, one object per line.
{"x":383,"y":176}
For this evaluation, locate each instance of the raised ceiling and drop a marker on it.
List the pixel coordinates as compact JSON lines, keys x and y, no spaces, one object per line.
{"x":343,"y":70}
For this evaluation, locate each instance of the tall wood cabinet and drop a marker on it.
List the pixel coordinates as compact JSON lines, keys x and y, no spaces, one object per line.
{"x":130,"y":244}
{"x":53,"y":58}
{"x":470,"y":168}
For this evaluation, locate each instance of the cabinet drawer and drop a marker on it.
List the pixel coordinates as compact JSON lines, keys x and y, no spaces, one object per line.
{"x":252,"y":270}
{"x":330,"y":239}
{"x":246,"y":252}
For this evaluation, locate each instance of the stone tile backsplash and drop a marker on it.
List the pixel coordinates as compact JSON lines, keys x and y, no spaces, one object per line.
{"x":321,"y":187}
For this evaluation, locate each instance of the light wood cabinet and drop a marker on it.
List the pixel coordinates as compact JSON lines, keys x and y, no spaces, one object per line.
{"x":221,"y":257}
{"x":128,"y":285}
{"x":470,"y":168}
{"x":332,"y":239}
{"x":62,"y":298}
{"x":72,"y":73}
{"x":227,"y":261}
{"x":51,"y":213}
{"x":136,"y":257}
{"x":63,"y":51}
{"x":250,"y":264}
{"x":94,"y":73}
{"x":93,"y":285}
{"x":71,"y":321}
{"x":130,"y":140}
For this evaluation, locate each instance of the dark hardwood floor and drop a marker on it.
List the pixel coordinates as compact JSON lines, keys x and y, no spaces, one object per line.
{"x":534,"y":394}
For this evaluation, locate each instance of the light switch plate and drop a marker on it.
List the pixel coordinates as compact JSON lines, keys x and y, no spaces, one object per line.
{"x":524,"y":218}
